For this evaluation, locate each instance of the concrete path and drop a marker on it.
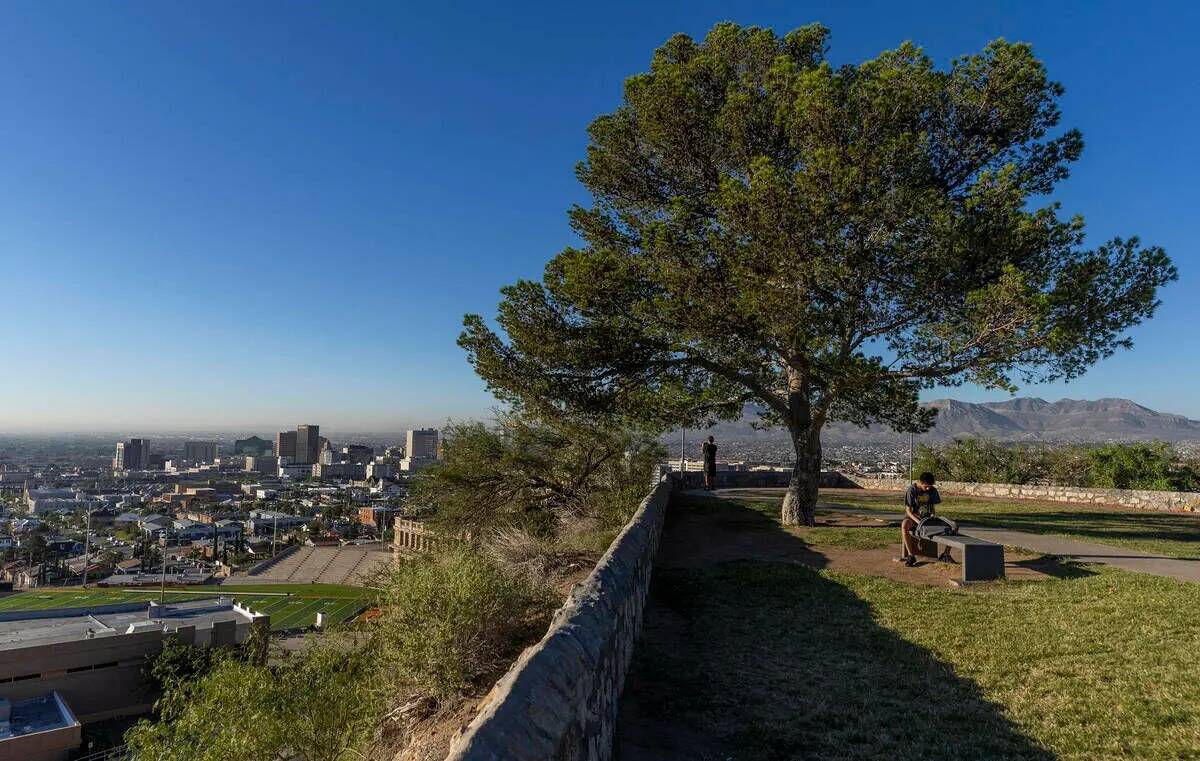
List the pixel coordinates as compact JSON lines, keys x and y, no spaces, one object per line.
{"x":1070,"y":549}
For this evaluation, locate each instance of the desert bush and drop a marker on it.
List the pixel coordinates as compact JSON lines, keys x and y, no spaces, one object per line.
{"x":320,"y":705}
{"x":454,"y":617}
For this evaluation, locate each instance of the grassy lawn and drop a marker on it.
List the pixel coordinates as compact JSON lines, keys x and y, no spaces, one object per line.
{"x":309,"y":590}
{"x":287,"y":611}
{"x":849,"y":538}
{"x":769,"y":660}
{"x":1169,"y":534}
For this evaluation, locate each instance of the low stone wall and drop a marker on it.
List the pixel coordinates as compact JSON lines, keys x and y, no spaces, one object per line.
{"x":560,"y":699}
{"x":1145,"y":500}
{"x":756,"y":479}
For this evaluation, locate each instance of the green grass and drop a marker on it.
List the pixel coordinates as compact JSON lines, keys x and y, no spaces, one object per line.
{"x":844,"y":537}
{"x":319,"y":590}
{"x":764,"y":660}
{"x":1169,"y":534}
{"x":286,"y":611}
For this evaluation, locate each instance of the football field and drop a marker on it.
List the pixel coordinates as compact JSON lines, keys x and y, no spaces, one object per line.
{"x":287,"y":610}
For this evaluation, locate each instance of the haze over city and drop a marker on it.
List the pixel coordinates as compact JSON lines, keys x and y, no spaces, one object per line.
{"x":215,"y":221}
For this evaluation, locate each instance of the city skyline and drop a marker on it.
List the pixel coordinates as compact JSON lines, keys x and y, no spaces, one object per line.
{"x":175,"y":174}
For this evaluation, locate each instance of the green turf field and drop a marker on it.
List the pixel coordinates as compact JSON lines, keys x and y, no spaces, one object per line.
{"x":287,"y":611}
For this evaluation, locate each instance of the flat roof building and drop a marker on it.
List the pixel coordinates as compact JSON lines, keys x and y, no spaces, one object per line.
{"x":200,"y":452}
{"x":285,"y":445}
{"x":93,"y":657}
{"x":308,"y":444}
{"x":41,"y":728}
{"x":131,"y":455}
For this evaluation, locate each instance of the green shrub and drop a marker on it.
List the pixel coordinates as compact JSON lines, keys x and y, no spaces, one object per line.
{"x":1155,"y":466}
{"x":320,"y":705}
{"x":453,"y":617}
{"x":1139,"y":466}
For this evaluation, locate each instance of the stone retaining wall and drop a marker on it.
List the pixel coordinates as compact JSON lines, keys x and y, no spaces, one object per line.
{"x":1145,"y":500}
{"x":756,"y":479}
{"x":560,"y":699}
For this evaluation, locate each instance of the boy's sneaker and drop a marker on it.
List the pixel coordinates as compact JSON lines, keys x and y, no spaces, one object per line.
{"x":910,"y":560}
{"x":945,"y":557}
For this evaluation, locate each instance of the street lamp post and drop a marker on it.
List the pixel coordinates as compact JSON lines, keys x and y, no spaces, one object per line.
{"x":162,"y":594}
{"x":912,"y":437}
{"x":87,"y":543}
{"x":683,"y":450}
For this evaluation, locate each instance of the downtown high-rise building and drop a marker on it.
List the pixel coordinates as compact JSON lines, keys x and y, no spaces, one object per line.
{"x":200,"y":451}
{"x":421,"y":444}
{"x":132,"y":455}
{"x":285,"y":445}
{"x":251,"y":446}
{"x":308,"y":444}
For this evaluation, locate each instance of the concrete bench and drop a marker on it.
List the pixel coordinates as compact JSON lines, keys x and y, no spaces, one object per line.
{"x":980,"y":559}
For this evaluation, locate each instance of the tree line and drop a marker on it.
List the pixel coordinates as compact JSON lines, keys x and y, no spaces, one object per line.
{"x":1154,"y":466}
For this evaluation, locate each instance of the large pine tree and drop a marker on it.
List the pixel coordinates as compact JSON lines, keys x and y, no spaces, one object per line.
{"x":821,"y":240}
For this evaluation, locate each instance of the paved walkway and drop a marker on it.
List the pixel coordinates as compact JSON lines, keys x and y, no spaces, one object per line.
{"x":1070,"y":549}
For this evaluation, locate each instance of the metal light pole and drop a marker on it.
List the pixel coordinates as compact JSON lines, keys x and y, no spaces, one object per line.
{"x":683,"y":450}
{"x":162,"y":595}
{"x":274,"y":533}
{"x":912,"y":437}
{"x":87,"y":537}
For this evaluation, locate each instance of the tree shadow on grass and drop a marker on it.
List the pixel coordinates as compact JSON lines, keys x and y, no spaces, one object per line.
{"x":769,"y":659}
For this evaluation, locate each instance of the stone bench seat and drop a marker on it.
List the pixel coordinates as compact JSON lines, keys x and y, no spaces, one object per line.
{"x":981,"y":560}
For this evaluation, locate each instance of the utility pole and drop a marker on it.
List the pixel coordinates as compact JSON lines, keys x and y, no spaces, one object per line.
{"x":274,"y":533}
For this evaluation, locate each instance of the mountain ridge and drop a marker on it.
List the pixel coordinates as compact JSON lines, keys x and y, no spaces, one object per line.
{"x":1016,"y":419}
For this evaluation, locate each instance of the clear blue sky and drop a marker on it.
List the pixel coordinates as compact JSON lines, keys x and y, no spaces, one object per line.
{"x":245,"y":215}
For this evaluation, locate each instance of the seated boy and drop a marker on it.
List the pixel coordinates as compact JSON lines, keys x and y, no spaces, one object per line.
{"x":919,"y":500}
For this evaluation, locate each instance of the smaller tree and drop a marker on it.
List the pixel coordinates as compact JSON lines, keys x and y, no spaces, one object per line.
{"x":534,"y":474}
{"x":1139,"y":466}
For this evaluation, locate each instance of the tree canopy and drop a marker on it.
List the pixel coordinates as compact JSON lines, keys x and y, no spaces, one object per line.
{"x":822,"y":240}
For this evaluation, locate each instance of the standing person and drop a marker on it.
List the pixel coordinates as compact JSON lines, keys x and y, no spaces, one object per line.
{"x":919,"y":500}
{"x":710,"y":462}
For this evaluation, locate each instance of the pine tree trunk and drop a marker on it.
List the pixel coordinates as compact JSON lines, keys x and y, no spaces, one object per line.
{"x":800,"y":502}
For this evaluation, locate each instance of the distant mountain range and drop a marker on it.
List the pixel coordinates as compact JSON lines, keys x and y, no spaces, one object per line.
{"x":1019,"y":419}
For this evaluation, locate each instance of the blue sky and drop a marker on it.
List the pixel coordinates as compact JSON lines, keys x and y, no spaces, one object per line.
{"x":244,"y":215}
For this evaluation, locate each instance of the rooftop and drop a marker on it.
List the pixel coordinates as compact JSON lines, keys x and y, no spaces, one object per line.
{"x":33,"y":715}
{"x":109,"y":620}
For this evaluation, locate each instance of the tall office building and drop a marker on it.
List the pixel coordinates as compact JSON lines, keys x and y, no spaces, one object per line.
{"x":308,"y":444}
{"x":251,"y":446}
{"x":357,"y":453}
{"x":420,"y":449}
{"x":200,"y":451}
{"x":421,"y":444}
{"x":131,"y":455}
{"x":285,"y":445}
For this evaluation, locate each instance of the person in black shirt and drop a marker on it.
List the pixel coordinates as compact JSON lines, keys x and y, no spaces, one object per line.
{"x":919,"y":503}
{"x":709,"y":449}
